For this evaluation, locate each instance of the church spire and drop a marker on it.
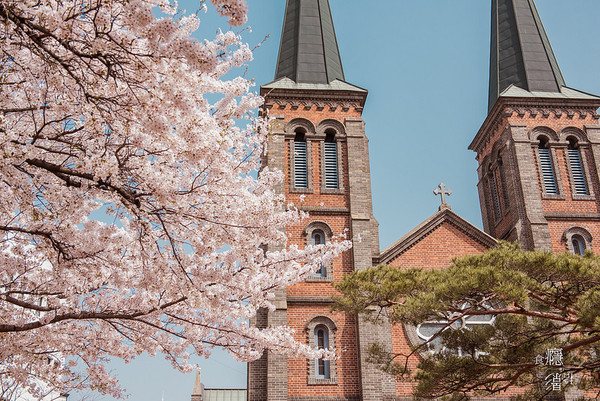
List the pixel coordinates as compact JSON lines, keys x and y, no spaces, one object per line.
{"x":521,"y":54}
{"x":308,"y":52}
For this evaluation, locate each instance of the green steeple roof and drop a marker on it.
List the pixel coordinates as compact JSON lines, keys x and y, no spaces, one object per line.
{"x":521,"y":54}
{"x":308,"y":52}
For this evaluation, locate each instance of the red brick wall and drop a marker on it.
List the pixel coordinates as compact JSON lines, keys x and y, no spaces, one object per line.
{"x":567,"y":205}
{"x":435,"y":251}
{"x":313,"y":114}
{"x":348,"y":378}
{"x":551,"y":121}
{"x":299,"y":315}
{"x":552,"y":209}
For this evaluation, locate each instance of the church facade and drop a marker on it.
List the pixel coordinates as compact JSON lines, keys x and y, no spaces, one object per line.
{"x":538,"y":153}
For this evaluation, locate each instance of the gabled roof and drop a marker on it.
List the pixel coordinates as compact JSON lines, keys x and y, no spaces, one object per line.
{"x":308,"y":52}
{"x":521,"y":54}
{"x":445,"y":215}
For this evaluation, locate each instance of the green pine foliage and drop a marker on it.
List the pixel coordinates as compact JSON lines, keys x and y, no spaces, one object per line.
{"x":538,"y":300}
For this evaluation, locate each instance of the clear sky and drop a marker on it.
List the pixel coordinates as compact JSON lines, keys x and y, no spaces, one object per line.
{"x":425,"y":64}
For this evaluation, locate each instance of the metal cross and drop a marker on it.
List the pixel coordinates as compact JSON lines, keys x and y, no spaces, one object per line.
{"x":443,"y":192}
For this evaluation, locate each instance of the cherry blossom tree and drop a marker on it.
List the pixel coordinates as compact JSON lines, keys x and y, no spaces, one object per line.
{"x":104,"y":112}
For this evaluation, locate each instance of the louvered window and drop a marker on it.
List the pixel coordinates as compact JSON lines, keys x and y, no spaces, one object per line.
{"x":331,"y":164}
{"x":579,"y":184}
{"x":548,"y":176}
{"x":495,"y":197}
{"x":300,"y":164}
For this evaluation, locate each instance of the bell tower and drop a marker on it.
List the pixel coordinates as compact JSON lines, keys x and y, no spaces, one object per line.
{"x":319,"y":143}
{"x":539,"y":147}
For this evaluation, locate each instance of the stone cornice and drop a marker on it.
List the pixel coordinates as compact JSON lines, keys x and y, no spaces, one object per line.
{"x":308,"y":98}
{"x":303,"y":300}
{"x":320,"y":210}
{"x":544,"y":107}
{"x":573,"y":216}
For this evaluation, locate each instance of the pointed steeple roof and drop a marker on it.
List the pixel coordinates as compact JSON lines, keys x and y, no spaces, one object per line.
{"x":521,"y":54}
{"x":308,"y":52}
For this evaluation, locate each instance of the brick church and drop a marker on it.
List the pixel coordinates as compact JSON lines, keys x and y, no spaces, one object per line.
{"x":538,"y":154}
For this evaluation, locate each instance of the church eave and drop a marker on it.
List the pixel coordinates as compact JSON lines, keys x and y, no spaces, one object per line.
{"x":428,"y":226}
{"x":574,"y":100}
{"x":336,"y":85}
{"x":320,"y":96}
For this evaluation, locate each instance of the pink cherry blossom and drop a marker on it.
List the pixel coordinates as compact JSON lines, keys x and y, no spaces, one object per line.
{"x":131,"y":217}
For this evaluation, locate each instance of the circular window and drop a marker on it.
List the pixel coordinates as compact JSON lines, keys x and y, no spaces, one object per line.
{"x":427,"y":331}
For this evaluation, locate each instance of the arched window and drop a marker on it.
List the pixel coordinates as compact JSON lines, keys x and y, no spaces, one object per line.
{"x":318,"y":238}
{"x":319,"y":233}
{"x":547,"y":174}
{"x":579,"y":184}
{"x":330,"y":161}
{"x":578,"y":244}
{"x":577,"y":240}
{"x":503,"y":185}
{"x":495,"y":197}
{"x":322,"y":370}
{"x":300,"y":161}
{"x":321,"y":334}
{"x":429,"y":331}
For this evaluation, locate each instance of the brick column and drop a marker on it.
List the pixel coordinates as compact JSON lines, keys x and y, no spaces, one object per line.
{"x":267,"y":377}
{"x":481,"y":188}
{"x":532,"y":229}
{"x":593,"y":134}
{"x":277,"y":378}
{"x":257,"y":370}
{"x":376,"y":385}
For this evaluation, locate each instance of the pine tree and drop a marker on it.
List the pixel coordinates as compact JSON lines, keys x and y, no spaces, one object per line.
{"x":544,"y":311}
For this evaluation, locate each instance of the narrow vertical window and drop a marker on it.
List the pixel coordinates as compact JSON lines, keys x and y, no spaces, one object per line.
{"x":495,"y":197}
{"x":331,"y":162}
{"x":578,"y":245}
{"x":579,"y":183}
{"x":547,"y":174}
{"x":503,"y":186}
{"x":322,"y":342}
{"x":300,"y":162}
{"x":318,"y":238}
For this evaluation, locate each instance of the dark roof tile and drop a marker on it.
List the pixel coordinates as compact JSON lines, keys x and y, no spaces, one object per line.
{"x":308,"y":52}
{"x":521,"y":54}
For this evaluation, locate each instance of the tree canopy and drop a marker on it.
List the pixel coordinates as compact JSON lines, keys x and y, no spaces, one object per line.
{"x":131,"y":216}
{"x":539,"y":304}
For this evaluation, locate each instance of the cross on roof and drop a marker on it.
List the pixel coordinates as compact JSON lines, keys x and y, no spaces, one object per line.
{"x":441,"y":190}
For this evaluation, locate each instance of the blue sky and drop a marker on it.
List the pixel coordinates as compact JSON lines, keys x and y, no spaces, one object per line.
{"x":425,"y":64}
